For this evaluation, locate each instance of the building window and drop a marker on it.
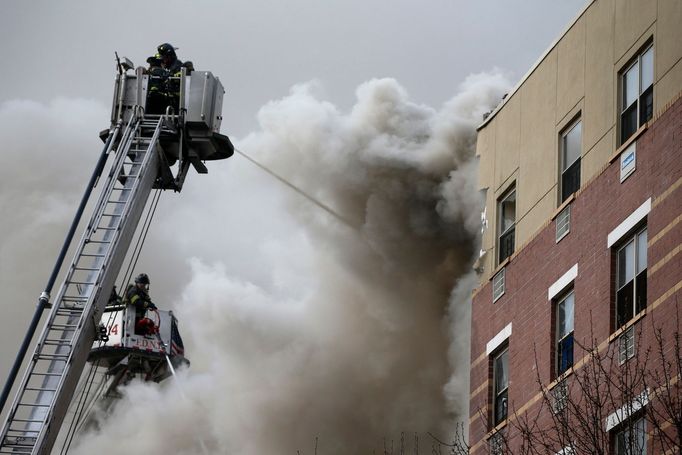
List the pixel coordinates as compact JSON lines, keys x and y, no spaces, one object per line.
{"x":571,"y":147}
{"x":630,"y":438}
{"x":498,"y":285}
{"x":496,"y":444}
{"x":637,"y":93}
{"x":631,"y":266}
{"x":626,"y":345}
{"x":563,"y":223}
{"x":564,"y":333}
{"x":506,"y":209}
{"x":559,"y":397}
{"x":500,"y":385}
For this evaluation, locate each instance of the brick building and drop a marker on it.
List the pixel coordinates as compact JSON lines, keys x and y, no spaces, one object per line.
{"x":580,"y":274}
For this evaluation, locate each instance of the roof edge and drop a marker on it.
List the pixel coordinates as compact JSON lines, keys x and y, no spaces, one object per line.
{"x":534,"y":67}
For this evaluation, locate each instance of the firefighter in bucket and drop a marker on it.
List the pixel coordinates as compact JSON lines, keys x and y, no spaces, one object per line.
{"x":137,"y":295}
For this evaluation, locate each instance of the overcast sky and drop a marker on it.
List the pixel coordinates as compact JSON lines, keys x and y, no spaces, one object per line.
{"x":261,"y":48}
{"x":251,"y":236}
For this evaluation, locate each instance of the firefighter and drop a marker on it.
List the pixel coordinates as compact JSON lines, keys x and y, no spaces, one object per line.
{"x":137,"y":295}
{"x":163,"y":86}
{"x":169,"y":60}
{"x":157,"y":98}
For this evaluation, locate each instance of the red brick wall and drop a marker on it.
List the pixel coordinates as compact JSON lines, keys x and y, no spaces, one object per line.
{"x":598,"y":208}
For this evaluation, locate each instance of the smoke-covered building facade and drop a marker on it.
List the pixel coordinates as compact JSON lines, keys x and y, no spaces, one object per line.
{"x":575,"y":321}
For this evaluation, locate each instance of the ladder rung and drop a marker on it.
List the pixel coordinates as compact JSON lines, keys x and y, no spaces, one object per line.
{"x":34,"y":405}
{"x":23,"y":432}
{"x":63,"y":343}
{"x":65,"y":311}
{"x":53,"y":357}
{"x":87,"y":269}
{"x":93,"y":255}
{"x":111,"y":215}
{"x":62,"y":326}
{"x":118,"y":202}
{"x":100,"y":228}
{"x":80,"y":282}
{"x":99,"y":242}
{"x":47,"y":374}
{"x":23,"y":437}
{"x":40,"y":389}
{"x":19,"y":445}
{"x":74,"y":314}
{"x":18,"y":448}
{"x":74,"y":300}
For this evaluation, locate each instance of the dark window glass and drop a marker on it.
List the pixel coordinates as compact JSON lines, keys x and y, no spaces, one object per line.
{"x":631,"y":286}
{"x":501,"y":384}
{"x":628,"y":123}
{"x":570,"y":180}
{"x":506,"y":244}
{"x":565,"y":354}
{"x":564,"y":333}
{"x":646,"y":106}
{"x":571,"y":146}
{"x":631,"y":438}
{"x":507,"y":222}
{"x":637,"y":94}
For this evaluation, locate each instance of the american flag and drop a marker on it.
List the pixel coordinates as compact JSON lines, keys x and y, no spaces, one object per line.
{"x":177,"y":348}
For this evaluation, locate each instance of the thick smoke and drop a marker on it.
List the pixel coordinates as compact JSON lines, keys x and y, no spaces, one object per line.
{"x":362,"y":348}
{"x":304,"y":325}
{"x":48,"y":153}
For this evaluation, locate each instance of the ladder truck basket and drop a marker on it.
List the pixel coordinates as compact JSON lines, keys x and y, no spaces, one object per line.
{"x":124,"y":343}
{"x":195,"y":100}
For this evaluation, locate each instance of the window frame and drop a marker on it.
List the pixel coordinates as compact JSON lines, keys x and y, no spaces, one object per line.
{"x":508,"y":235}
{"x":642,"y":93}
{"x":563,"y":223}
{"x":500,"y":396}
{"x":638,"y":282}
{"x":627,"y":428}
{"x":498,"y":286}
{"x":567,"y":168}
{"x":560,"y":396}
{"x":627,"y":345}
{"x":496,"y":443}
{"x":568,"y":338}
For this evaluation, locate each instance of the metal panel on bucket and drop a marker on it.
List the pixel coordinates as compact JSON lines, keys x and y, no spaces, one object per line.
{"x":204,"y":104}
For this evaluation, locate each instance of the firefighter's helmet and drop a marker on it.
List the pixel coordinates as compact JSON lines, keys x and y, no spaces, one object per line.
{"x":142,"y":278}
{"x":166,"y":49}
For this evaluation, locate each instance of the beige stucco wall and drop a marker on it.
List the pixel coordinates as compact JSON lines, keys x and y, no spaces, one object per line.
{"x":578,"y":76}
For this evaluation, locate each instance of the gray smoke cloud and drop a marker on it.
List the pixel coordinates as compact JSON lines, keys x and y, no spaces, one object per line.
{"x":300,"y":325}
{"x":48,"y":153}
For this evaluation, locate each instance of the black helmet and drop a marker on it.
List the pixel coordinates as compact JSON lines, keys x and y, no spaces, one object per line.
{"x":154,"y":60}
{"x":142,"y":278}
{"x":166,"y":49}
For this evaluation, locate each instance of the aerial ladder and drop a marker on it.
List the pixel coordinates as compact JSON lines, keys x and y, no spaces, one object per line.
{"x":147,"y":150}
